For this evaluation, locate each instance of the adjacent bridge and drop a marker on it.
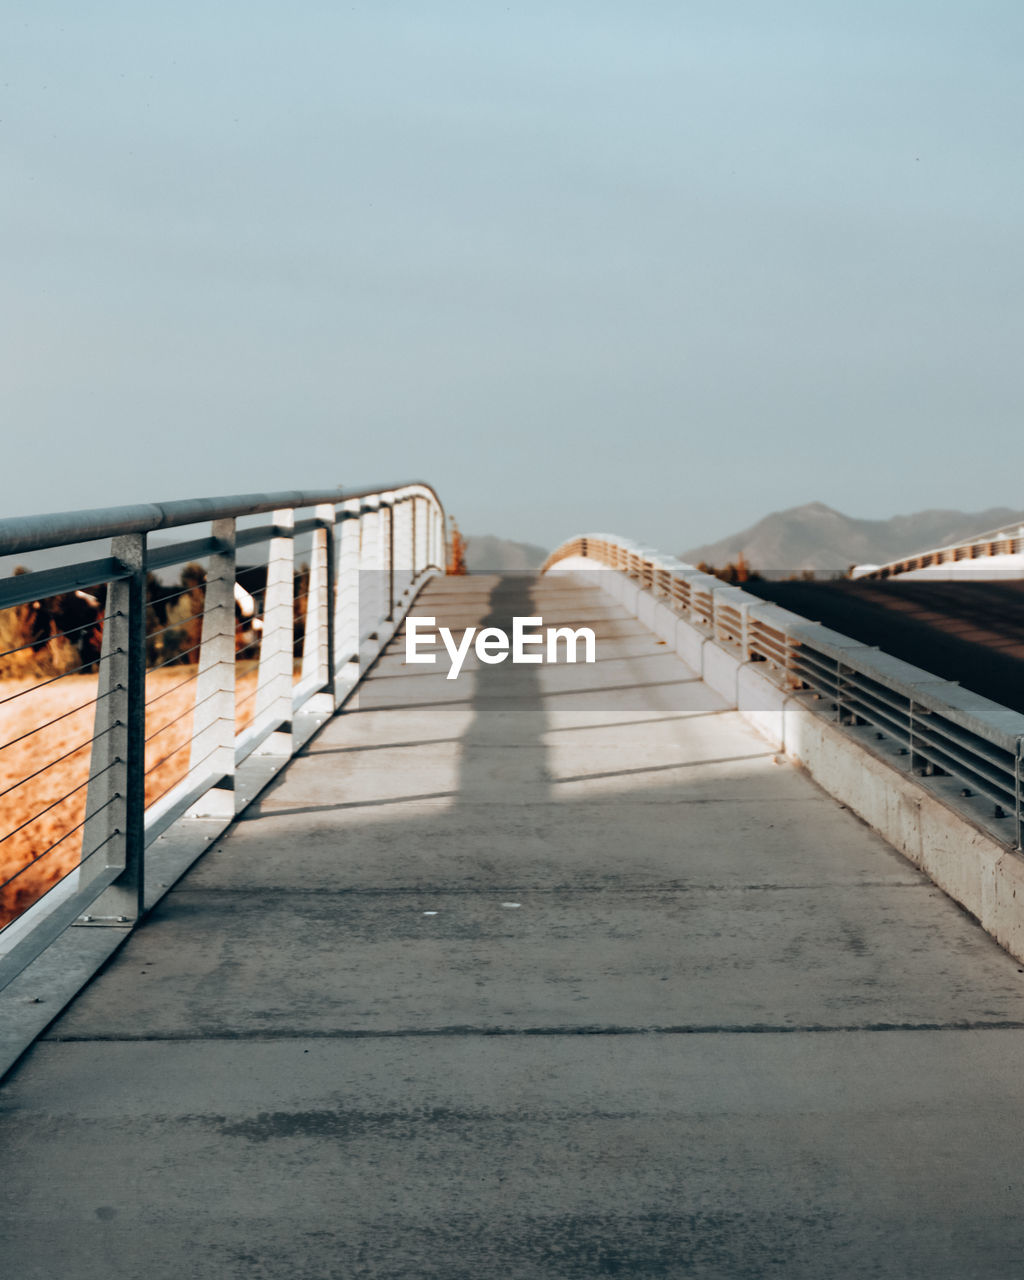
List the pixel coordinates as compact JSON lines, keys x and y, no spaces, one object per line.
{"x":548,"y":971}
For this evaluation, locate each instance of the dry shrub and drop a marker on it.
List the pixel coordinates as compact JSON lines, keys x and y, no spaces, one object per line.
{"x":23,"y":655}
{"x":51,"y":636}
{"x":38,"y":851}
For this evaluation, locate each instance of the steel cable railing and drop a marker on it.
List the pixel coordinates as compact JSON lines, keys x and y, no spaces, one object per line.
{"x":45,"y":640}
{"x":56,"y":844}
{"x":179,"y":739}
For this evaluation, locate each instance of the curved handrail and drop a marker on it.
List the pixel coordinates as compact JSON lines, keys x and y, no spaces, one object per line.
{"x":370,"y":550}
{"x":612,"y":550}
{"x":54,"y":529}
{"x":1005,"y":541}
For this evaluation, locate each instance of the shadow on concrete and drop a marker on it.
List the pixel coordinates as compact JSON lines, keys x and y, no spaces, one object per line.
{"x":571,"y":1007}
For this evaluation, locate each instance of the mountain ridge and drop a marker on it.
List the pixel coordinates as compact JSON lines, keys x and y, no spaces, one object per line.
{"x":815,"y":536}
{"x":485,"y":552}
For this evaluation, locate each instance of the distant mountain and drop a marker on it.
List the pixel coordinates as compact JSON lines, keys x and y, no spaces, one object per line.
{"x":817,"y":537}
{"x":485,"y":552}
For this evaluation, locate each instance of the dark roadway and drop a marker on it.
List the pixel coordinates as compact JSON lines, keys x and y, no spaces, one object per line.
{"x":972,"y":632}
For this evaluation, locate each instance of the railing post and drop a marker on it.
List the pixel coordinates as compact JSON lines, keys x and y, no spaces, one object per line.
{"x":213,"y":719}
{"x":406,"y":549}
{"x":346,"y":602}
{"x":417,"y":563}
{"x":330,"y":595}
{"x":114,"y":829}
{"x":317,"y":646}
{"x":397,"y":552}
{"x":424,"y":537}
{"x":388,"y":529}
{"x":370,"y":585}
{"x":277,"y":639}
{"x":409,"y":554}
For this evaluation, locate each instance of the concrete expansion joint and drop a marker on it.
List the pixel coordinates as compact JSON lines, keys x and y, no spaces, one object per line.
{"x":298,"y":1035}
{"x":496,"y":892}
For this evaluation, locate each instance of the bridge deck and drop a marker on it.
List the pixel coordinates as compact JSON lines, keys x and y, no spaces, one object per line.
{"x":725,"y":1032}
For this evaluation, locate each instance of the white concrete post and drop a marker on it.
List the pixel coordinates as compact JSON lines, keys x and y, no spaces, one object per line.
{"x":104,"y":804}
{"x":213,"y":718}
{"x":421,"y":532}
{"x":114,"y":829}
{"x":387,"y":556}
{"x":404,"y":549}
{"x":316,"y":640}
{"x":346,"y":607}
{"x":439,"y":549}
{"x":397,"y":551}
{"x":370,"y":594}
{"x":275,"y":678}
{"x":414,"y":567}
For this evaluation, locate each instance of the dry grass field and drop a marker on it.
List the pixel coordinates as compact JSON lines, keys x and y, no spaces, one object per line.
{"x":44,"y":771}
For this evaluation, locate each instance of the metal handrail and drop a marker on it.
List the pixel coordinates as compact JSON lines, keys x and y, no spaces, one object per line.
{"x":935,"y":725}
{"x":1007,"y":540}
{"x":60,"y":528}
{"x":371,"y":550}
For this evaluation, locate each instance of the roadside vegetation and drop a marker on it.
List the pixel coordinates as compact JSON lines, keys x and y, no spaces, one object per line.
{"x":49,"y":655}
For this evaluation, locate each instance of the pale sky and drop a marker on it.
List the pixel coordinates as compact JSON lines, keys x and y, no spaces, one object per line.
{"x":654,"y":267}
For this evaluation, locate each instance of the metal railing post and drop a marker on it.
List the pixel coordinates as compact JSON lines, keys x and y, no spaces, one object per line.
{"x":330,"y":595}
{"x":388,"y":530}
{"x":406,"y":547}
{"x":277,"y":638}
{"x":346,"y":605}
{"x":317,"y":656}
{"x":409,"y":555}
{"x":213,"y":719}
{"x":115,"y":798}
{"x":417,"y":523}
{"x":370,"y":590}
{"x":397,"y":552}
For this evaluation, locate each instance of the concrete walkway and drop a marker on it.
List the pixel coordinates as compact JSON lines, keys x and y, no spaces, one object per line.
{"x":543,"y":972}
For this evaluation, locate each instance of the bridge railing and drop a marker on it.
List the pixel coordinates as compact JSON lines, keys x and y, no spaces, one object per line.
{"x":982,"y":546}
{"x":138,"y":716}
{"x":932,"y":727}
